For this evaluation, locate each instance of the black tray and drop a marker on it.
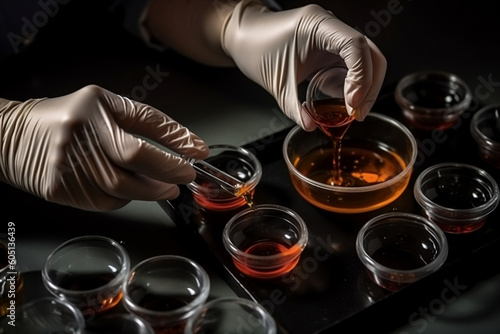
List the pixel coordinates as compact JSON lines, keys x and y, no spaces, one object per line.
{"x":329,"y":290}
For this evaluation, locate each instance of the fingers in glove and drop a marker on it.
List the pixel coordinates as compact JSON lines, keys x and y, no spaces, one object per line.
{"x":366,"y":64}
{"x":137,"y":155}
{"x":113,"y":193}
{"x":379,"y":67}
{"x":144,"y":120}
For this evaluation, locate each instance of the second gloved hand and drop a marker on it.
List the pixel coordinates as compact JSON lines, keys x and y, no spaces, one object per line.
{"x":84,"y":150}
{"x":278,"y":50}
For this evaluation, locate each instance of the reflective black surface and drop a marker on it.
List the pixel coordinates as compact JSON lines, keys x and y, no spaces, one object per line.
{"x":329,"y":289}
{"x":83,"y":45}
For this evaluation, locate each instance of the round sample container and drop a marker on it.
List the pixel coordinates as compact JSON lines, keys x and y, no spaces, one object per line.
{"x":235,"y":162}
{"x":265,"y":241}
{"x":88,"y":272}
{"x":398,"y":249}
{"x":457,"y":197}
{"x":432,"y":99}
{"x":377,"y":159}
{"x":485,"y":129}
{"x":166,"y":291}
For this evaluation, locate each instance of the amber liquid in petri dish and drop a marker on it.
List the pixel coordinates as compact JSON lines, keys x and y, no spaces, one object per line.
{"x":218,"y":199}
{"x":16,"y":293}
{"x":362,"y":165}
{"x":266,"y":248}
{"x":83,"y":282}
{"x":332,"y":118}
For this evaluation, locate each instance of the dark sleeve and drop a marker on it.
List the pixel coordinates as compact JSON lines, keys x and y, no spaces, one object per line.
{"x":133,"y":12}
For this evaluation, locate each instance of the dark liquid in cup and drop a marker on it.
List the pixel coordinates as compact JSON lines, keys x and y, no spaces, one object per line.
{"x":266,"y":248}
{"x":103,"y":300}
{"x":459,"y":193}
{"x":333,"y":119}
{"x":433,"y":95}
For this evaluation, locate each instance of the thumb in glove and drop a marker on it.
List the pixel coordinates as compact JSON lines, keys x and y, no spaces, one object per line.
{"x":278,"y":50}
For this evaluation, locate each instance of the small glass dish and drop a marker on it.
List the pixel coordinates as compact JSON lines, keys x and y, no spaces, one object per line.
{"x":485,"y":129}
{"x":432,"y":99}
{"x":265,"y":241}
{"x":235,"y":162}
{"x":165,"y":291}
{"x":325,"y":101}
{"x":231,"y":315}
{"x":88,"y":272}
{"x":46,"y":315}
{"x":398,"y":249}
{"x":377,"y":158}
{"x":457,"y":197}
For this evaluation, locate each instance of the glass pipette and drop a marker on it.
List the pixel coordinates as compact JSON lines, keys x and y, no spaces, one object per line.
{"x":212,"y":174}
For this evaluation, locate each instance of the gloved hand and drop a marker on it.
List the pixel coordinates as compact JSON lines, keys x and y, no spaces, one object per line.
{"x":83,"y":150}
{"x":278,"y":50}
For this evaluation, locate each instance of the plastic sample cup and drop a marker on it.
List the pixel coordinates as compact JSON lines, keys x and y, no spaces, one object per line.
{"x":166,"y":291}
{"x":485,"y":129}
{"x":457,"y":197}
{"x":265,"y":241}
{"x":398,"y":249}
{"x":235,"y":162}
{"x":88,"y":272}
{"x":432,"y":100}
{"x":377,"y":158}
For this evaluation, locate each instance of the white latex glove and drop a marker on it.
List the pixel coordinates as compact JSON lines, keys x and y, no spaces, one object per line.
{"x":83,"y":150}
{"x":278,"y":50}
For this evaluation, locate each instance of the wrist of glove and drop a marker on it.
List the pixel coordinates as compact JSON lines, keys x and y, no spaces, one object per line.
{"x":85,"y":150}
{"x":278,"y":50}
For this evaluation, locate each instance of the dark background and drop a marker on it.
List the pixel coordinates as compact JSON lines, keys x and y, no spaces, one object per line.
{"x":84,"y":44}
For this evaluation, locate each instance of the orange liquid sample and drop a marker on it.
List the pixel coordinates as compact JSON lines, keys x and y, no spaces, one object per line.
{"x":333,"y":119}
{"x":267,"y":248}
{"x":103,"y":301}
{"x":215,"y":198}
{"x":221,"y":200}
{"x":362,"y":165}
{"x":456,"y":227}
